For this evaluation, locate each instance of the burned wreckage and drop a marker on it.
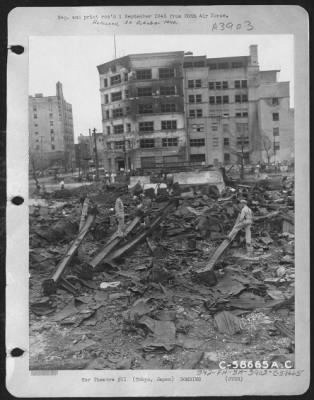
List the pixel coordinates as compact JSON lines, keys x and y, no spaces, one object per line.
{"x":173,"y":288}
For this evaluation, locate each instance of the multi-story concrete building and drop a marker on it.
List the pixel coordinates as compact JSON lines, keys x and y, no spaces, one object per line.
{"x":142,"y":101}
{"x":163,"y":108}
{"x":51,"y":136}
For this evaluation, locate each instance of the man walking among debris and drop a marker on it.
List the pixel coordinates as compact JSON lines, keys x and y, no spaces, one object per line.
{"x":119,"y":210}
{"x":245,"y":220}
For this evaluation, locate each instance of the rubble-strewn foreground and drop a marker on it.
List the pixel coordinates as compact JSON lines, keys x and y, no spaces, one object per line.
{"x":146,"y":301}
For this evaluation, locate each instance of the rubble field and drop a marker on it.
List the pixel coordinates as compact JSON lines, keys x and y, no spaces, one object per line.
{"x":148,"y":299}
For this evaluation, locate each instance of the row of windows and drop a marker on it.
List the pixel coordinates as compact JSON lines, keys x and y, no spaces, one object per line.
{"x":53,"y":147}
{"x":145,"y":126}
{"x":218,"y":85}
{"x":142,"y":109}
{"x":213,"y":66}
{"x":166,"y":142}
{"x":142,"y":92}
{"x":141,"y":74}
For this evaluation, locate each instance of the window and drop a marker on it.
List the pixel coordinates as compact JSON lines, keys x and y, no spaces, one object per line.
{"x":223,"y":66}
{"x":211,"y":85}
{"x":169,"y":142}
{"x":118,"y":129}
{"x":237,"y":84}
{"x":199,"y":113}
{"x":119,"y":145}
{"x":168,"y":107}
{"x":226,"y":157}
{"x":197,"y":158}
{"x":238,"y":98}
{"x":198,"y":98}
{"x":225,"y":84}
{"x":169,"y":125}
{"x":197,"y":142}
{"x":53,"y":147}
{"x":212,"y":66}
{"x":37,"y":147}
{"x":52,"y":138}
{"x":225,"y":99}
{"x":107,"y":114}
{"x":215,"y":141}
{"x":190,"y":84}
{"x":242,"y":127}
{"x":118,"y":112}
{"x":127,"y":110}
{"x":238,"y":115}
{"x":276,"y":146}
{"x":218,"y":85}
{"x":36,"y":133}
{"x":226,"y":142}
{"x":214,"y":127}
{"x":126,"y":94}
{"x":51,"y":131}
{"x":198,"y":64}
{"x":244,"y":84}
{"x":115,"y":80}
{"x":108,"y":130}
{"x":147,"y":126}
{"x":191,"y":99}
{"x":126,"y":77}
{"x":51,"y":123}
{"x":35,"y":124}
{"x":198,"y":127}
{"x":167,"y":90}
{"x":145,"y":108}
{"x":50,"y":115}
{"x":237,"y":64}
{"x":244,"y":98}
{"x":35,"y":116}
{"x":211,"y":99}
{"x":106,"y":99}
{"x":147,"y":143}
{"x":245,"y":115}
{"x":188,"y":65}
{"x":275,"y":116}
{"x":35,"y":109}
{"x":144,"y":91}
{"x":128,"y":127}
{"x":198,"y":83}
{"x":192,"y":113}
{"x":142,"y":74}
{"x":165,"y":73}
{"x":275,"y":131}
{"x":37,"y":140}
{"x":105,"y":82}
{"x":242,"y":141}
{"x":116,"y":96}
{"x":275,"y":101}
{"x":218,"y":99}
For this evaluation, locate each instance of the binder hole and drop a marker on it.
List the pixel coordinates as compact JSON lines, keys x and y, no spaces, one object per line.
{"x":17,"y":49}
{"x":17,"y":200}
{"x":17,"y":352}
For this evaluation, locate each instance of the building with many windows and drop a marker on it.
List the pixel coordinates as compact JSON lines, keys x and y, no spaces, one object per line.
{"x":164,"y":108}
{"x":51,"y":136}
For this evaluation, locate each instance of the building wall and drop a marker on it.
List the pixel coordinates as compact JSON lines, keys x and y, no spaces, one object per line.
{"x":213,"y":125}
{"x":51,"y":137}
{"x":126,"y":116}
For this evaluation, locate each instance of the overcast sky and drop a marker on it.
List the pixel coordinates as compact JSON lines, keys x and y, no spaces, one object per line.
{"x":72,"y":60}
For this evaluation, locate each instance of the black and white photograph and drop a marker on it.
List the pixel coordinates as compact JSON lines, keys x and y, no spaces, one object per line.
{"x":161,"y":181}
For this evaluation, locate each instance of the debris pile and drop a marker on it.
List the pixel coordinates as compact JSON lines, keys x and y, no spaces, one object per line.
{"x":174,"y":289}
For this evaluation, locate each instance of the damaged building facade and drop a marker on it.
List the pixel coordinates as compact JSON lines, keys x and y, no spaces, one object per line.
{"x":51,"y":134}
{"x":161,"y":109}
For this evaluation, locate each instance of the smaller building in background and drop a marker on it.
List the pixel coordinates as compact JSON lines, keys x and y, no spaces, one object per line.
{"x":51,"y":134}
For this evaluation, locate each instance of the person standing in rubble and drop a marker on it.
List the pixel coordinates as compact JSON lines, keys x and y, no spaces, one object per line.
{"x":62,"y":184}
{"x":245,"y":219}
{"x":119,"y":211}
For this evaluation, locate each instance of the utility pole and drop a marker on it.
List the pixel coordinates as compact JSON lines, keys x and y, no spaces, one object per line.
{"x":96,"y":155}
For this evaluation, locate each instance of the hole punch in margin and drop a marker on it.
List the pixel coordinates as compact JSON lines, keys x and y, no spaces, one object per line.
{"x":17,"y":49}
{"x":17,"y":200}
{"x":16,"y":352}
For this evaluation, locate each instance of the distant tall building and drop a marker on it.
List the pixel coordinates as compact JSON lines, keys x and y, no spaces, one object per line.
{"x":51,"y":135}
{"x":160,"y":109}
